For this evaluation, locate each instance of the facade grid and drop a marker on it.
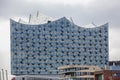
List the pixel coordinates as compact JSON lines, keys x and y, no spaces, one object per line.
{"x":42,"y":48}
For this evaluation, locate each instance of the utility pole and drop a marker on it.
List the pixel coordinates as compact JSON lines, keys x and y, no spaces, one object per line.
{"x":6,"y":75}
{"x":0,"y":75}
{"x":3,"y":74}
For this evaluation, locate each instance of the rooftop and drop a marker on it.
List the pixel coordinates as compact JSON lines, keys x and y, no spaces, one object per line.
{"x":40,"y":18}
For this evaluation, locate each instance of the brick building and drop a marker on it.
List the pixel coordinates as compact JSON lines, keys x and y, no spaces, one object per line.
{"x":107,"y":75}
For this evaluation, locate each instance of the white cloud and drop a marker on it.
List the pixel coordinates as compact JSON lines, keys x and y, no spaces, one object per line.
{"x":70,"y":2}
{"x":5,"y":45}
{"x":114,"y":44}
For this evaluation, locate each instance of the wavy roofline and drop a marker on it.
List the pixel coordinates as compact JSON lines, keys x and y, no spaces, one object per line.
{"x":12,"y":20}
{"x":103,"y":25}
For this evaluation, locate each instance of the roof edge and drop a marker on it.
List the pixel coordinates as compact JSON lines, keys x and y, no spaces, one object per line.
{"x":63,"y":18}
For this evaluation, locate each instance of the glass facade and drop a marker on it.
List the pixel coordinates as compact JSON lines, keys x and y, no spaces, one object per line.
{"x":41,"y":49}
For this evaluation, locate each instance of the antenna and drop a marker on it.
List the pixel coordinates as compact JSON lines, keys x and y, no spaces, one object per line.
{"x":19,"y":20}
{"x":37,"y":13}
{"x":29,"y":18}
{"x":71,"y":19}
{"x":93,"y":23}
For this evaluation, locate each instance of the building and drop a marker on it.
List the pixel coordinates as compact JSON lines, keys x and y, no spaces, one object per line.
{"x":114,"y":65}
{"x":40,"y":48}
{"x":77,"y":72}
{"x":107,"y":75}
{"x":36,"y":77}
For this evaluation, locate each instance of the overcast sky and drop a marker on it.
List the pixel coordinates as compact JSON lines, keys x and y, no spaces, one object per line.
{"x":82,"y":11}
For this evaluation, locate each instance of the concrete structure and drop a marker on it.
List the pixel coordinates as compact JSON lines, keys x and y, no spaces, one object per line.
{"x":36,"y":77}
{"x":107,"y":75}
{"x":77,"y":72}
{"x":40,"y":48}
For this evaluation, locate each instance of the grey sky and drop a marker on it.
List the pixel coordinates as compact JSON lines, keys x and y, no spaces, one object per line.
{"x":82,"y":11}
